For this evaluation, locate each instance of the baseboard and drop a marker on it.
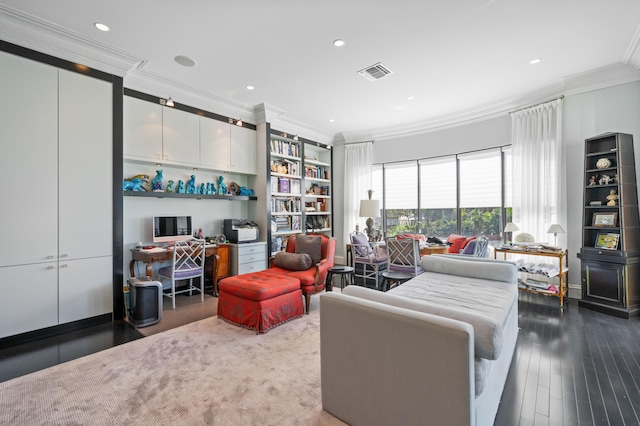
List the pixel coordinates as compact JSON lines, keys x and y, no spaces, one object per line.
{"x":575,"y":291}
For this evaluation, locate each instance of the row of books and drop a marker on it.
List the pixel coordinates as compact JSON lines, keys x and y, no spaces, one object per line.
{"x":285,"y":205}
{"x":285,"y":167}
{"x":285,"y":185}
{"x":285,"y":148}
{"x":287,"y":223}
{"x":319,"y":172}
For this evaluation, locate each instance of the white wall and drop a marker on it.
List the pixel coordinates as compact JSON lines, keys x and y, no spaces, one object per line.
{"x":614,"y":109}
{"x":207,"y":214}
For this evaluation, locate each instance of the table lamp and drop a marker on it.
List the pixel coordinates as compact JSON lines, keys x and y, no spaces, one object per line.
{"x":370,"y":209}
{"x":510,"y":227}
{"x":555,"y":229}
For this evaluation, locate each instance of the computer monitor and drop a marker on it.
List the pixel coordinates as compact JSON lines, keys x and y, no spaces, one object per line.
{"x":171,"y":228}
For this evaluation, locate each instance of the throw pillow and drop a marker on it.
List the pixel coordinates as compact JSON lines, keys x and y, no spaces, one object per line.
{"x":363,"y":248}
{"x":418,"y":237}
{"x":310,"y":244}
{"x":469,"y":248}
{"x":467,"y":241}
{"x":456,"y":242}
{"x":293,"y":261}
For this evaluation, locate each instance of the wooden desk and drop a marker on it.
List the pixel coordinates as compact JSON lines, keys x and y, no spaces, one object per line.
{"x":216,"y":262}
{"x":427,"y":250}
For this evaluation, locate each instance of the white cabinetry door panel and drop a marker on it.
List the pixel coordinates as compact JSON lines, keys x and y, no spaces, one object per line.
{"x":85,"y":158}
{"x":85,"y":288}
{"x":29,"y":298}
{"x":215,"y":143}
{"x":243,"y":150}
{"x":28,"y":156}
{"x":180,"y":136}
{"x":142,"y":132}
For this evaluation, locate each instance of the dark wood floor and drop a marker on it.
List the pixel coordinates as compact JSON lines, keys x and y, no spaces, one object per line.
{"x":571,"y":366}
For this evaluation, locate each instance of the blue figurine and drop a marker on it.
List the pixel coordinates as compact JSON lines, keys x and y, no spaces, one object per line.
{"x":133,"y":184}
{"x":156,"y":183}
{"x":222,"y":188}
{"x":169,"y":187}
{"x":245,"y":191}
{"x":201,"y":189}
{"x":180,"y":187}
{"x":191,"y":185}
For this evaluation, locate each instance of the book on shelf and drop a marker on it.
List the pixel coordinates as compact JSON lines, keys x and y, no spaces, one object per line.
{"x":295,"y":186}
{"x":284,"y":185}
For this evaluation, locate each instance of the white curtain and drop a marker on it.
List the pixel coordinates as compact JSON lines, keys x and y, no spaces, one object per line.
{"x":537,"y":165}
{"x":358,"y":180}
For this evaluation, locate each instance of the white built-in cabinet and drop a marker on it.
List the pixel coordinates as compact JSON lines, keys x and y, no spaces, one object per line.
{"x":56,"y":262}
{"x":155,"y":133}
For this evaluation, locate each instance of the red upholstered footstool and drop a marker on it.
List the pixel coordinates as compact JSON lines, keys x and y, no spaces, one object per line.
{"x":259,"y":301}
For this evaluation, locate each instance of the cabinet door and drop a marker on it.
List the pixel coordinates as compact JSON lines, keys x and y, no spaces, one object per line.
{"x":215,"y":143}
{"x":86,"y":189}
{"x":142,"y":129}
{"x":29,"y":298}
{"x":85,"y":288}
{"x":180,"y":136}
{"x":243,"y":150}
{"x":28,"y":162}
{"x":603,"y":282}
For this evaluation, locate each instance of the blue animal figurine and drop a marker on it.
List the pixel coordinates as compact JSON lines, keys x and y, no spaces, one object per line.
{"x":181,"y":187}
{"x":156,"y":183}
{"x":133,"y":184}
{"x":191,"y":185}
{"x":201,"y":189}
{"x":169,"y":187}
{"x":245,"y":191}
{"x":222,"y":188}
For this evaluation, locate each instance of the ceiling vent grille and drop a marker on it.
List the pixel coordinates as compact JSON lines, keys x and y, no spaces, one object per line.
{"x":375,"y":72}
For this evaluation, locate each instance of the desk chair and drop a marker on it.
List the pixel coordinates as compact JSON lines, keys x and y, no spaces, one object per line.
{"x":188,"y":263}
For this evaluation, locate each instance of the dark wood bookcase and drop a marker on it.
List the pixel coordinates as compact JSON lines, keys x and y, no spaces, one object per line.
{"x":610,"y":253}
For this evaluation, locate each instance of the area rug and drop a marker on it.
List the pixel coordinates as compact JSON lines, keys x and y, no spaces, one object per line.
{"x":204,"y":373}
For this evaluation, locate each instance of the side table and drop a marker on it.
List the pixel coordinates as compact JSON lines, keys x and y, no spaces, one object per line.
{"x":346,"y":277}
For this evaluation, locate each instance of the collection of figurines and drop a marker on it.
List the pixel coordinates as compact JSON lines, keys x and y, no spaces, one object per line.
{"x":141,"y":183}
{"x":604,"y":180}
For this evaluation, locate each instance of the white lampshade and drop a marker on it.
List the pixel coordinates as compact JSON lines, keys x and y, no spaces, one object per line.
{"x":555,"y":229}
{"x":511,"y":227}
{"x":370,"y":208}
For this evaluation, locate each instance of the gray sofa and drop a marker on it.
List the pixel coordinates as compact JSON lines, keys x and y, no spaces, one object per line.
{"x":435,"y":350}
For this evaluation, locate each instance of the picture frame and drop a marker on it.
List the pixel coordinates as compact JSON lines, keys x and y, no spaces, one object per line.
{"x":605,"y":219}
{"x":607,"y":241}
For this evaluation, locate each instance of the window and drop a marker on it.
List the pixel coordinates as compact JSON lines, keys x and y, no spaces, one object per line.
{"x":481,"y":193}
{"x":438,"y":197}
{"x":401,"y":198}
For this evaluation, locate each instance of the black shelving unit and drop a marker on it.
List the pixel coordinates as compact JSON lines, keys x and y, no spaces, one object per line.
{"x":610,"y":253}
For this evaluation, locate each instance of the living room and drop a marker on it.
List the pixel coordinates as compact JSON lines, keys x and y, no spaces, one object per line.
{"x":606,"y":99}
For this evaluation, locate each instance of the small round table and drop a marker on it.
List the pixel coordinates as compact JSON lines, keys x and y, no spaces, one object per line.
{"x":346,"y":277}
{"x":394,"y":277}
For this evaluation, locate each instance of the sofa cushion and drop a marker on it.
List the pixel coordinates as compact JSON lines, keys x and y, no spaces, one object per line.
{"x":310,"y":244}
{"x":488,"y":269}
{"x":293,"y":261}
{"x":456,"y":242}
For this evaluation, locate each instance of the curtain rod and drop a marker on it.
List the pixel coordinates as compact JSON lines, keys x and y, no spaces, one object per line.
{"x":533,"y":106}
{"x":353,"y":143}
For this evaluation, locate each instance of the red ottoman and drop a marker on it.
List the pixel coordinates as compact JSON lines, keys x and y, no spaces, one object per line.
{"x":259,"y":301}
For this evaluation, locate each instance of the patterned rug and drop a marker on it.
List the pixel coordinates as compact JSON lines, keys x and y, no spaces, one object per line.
{"x":204,"y":373}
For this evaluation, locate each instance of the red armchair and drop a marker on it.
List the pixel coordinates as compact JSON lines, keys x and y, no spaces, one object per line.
{"x":313,"y":279}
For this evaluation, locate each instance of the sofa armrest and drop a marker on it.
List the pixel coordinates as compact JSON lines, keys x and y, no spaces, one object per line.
{"x":381,"y":363}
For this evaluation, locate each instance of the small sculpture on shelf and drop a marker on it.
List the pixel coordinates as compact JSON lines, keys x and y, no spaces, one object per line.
{"x":156,"y":183}
{"x":201,"y":189}
{"x":191,"y":185}
{"x":245,"y":191}
{"x":605,"y":180}
{"x":170,"y":186}
{"x":612,"y":198}
{"x":222,"y":188}
{"x":133,"y":184}
{"x":592,"y":181}
{"x":234,"y":188}
{"x":181,"y":189}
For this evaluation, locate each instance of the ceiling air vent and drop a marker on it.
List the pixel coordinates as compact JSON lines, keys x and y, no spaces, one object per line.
{"x":375,"y":72}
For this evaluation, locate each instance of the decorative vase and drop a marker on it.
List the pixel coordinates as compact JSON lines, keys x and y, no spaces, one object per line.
{"x":603,"y":163}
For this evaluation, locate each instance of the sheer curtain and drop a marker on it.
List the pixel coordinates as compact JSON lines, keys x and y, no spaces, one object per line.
{"x":537,"y":160}
{"x":358,"y":180}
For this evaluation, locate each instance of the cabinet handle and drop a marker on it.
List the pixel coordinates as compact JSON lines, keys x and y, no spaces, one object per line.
{"x":50,"y":257}
{"x":64,"y":265}
{"x":49,"y":267}
{"x":64,"y":255}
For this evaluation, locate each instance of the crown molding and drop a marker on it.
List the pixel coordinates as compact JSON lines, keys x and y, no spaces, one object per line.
{"x":33,"y":33}
{"x":632,"y":56}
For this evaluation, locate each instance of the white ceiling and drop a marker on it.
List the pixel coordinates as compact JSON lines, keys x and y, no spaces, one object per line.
{"x":458,"y":59}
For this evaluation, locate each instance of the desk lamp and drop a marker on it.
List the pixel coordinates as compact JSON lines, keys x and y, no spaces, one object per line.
{"x":510,"y":227}
{"x":555,"y":229}
{"x":369,"y":209}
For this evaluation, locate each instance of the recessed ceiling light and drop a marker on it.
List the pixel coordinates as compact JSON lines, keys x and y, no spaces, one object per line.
{"x":250,"y":87}
{"x":185,"y":61}
{"x":338,"y":43}
{"x":535,"y":61}
{"x":331,"y":120}
{"x":410,"y":98}
{"x":101,"y":26}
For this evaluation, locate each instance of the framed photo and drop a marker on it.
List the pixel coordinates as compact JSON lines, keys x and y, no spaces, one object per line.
{"x":607,"y":241}
{"x":607,"y":219}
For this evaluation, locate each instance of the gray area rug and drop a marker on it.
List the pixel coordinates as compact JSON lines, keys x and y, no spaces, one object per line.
{"x":204,"y":373}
